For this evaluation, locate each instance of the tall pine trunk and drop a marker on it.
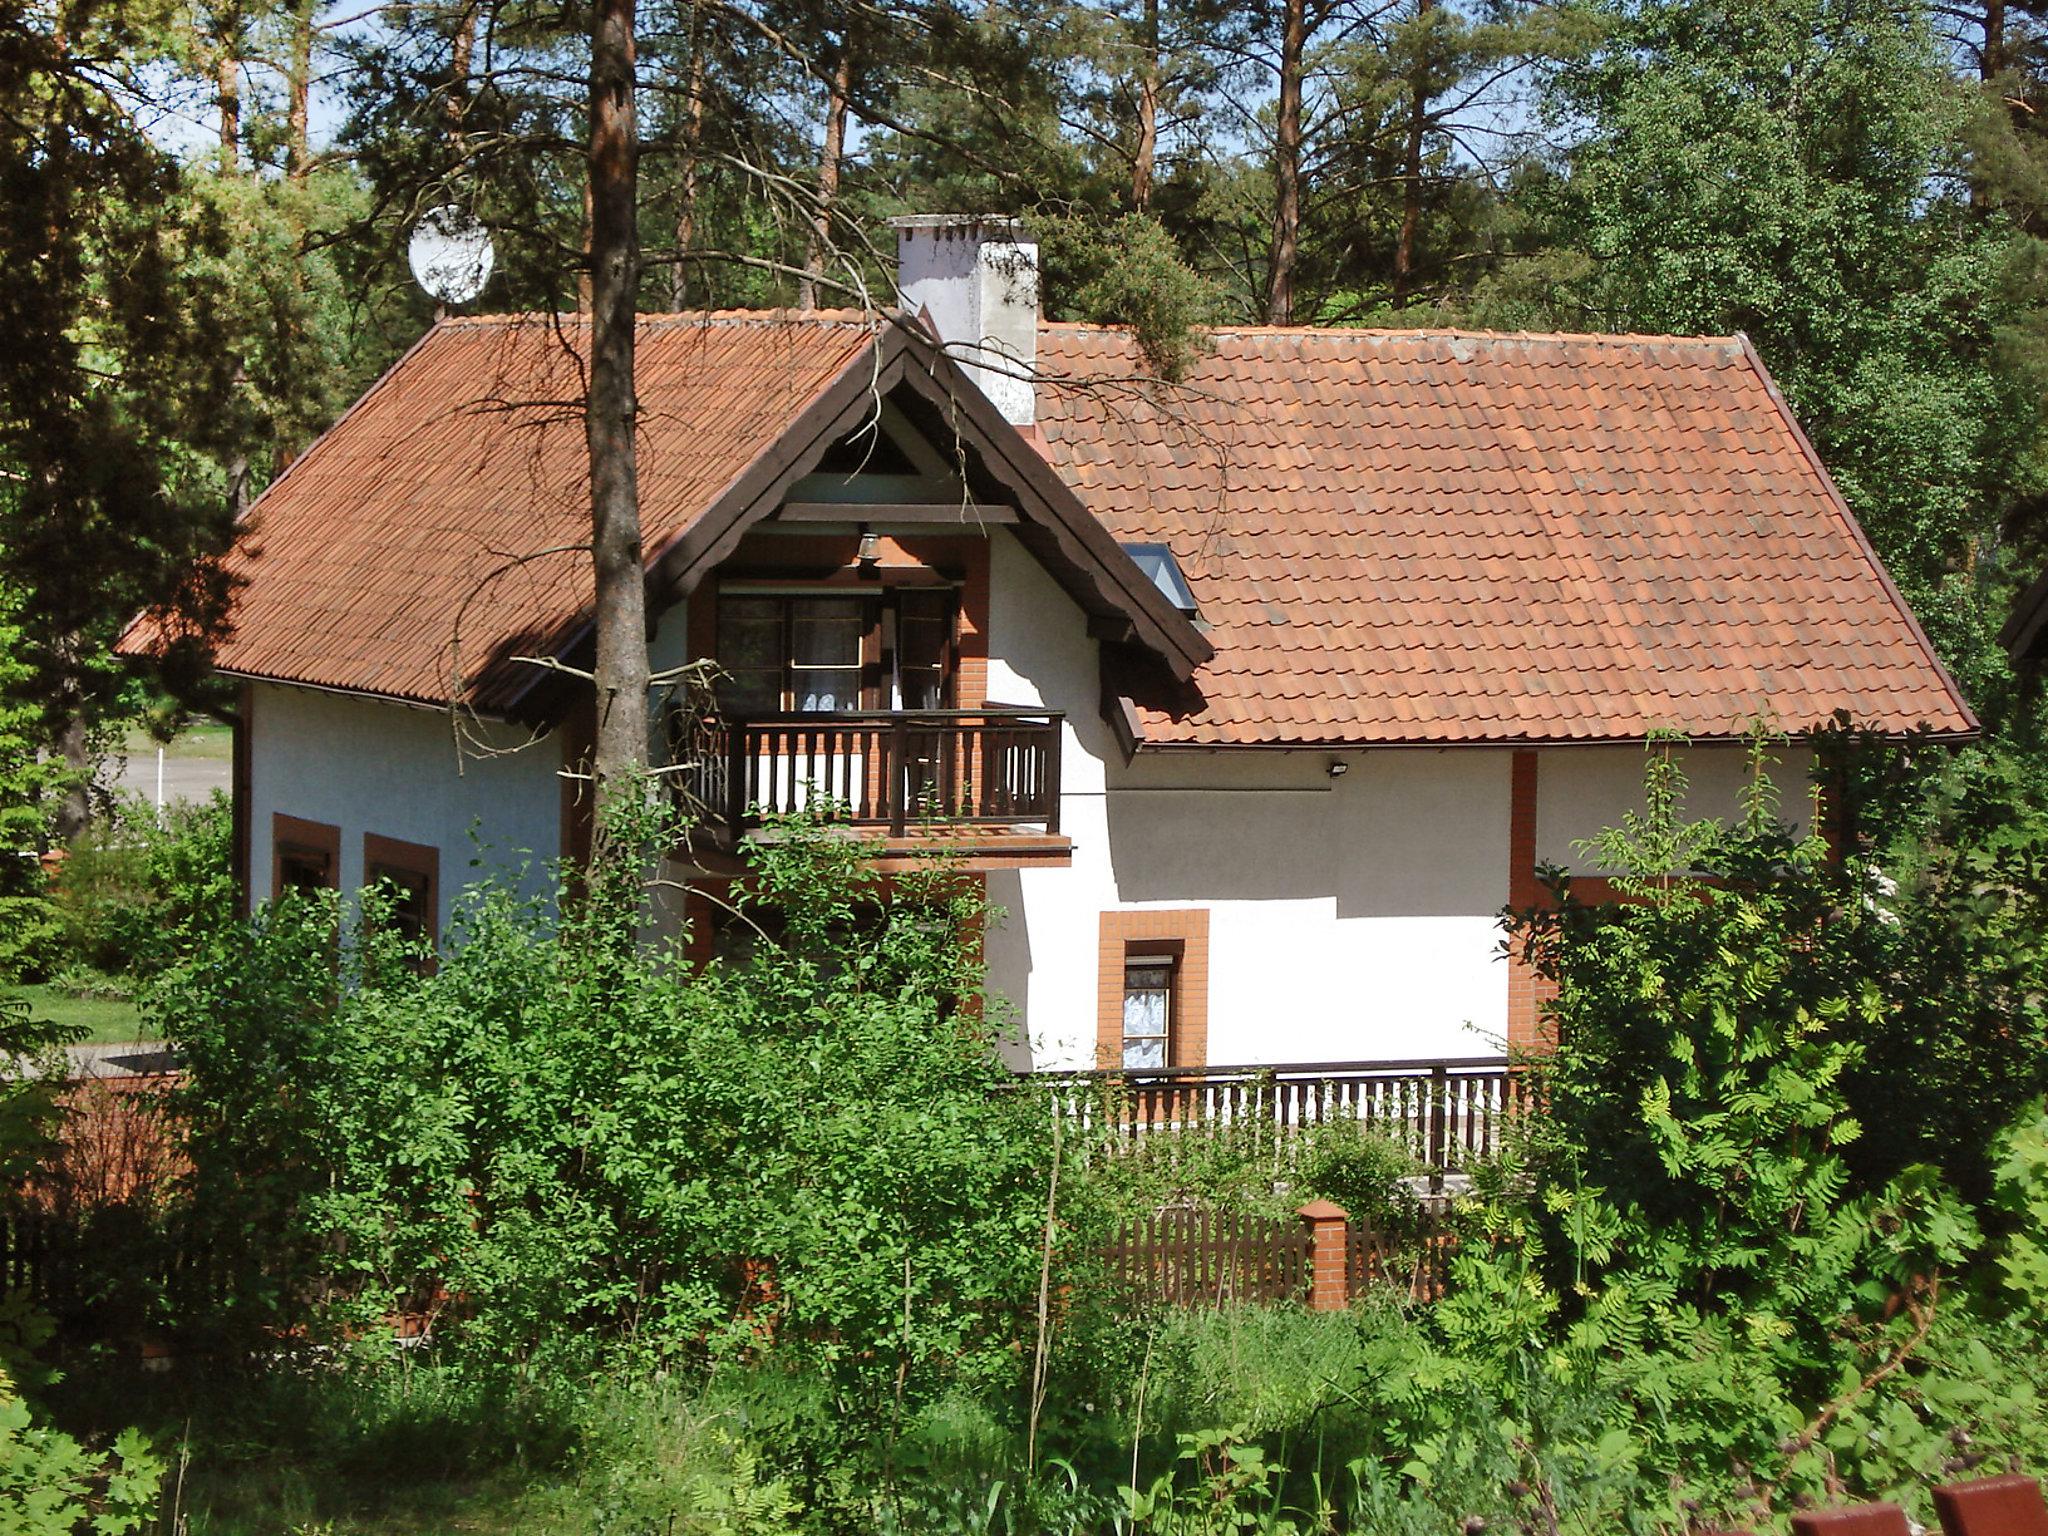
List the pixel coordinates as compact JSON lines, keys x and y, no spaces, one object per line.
{"x":1287,"y":165}
{"x":227,"y":75}
{"x":1146,"y":155}
{"x":820,"y":244}
{"x":611,"y":407}
{"x":1411,"y":155}
{"x":299,"y":88}
{"x":461,"y":54}
{"x":693,"y":141}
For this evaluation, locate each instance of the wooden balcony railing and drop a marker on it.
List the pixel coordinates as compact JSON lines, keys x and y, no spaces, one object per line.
{"x":890,"y":769}
{"x":1447,"y":1114}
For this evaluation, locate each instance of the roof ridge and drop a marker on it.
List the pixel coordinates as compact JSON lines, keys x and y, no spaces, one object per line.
{"x":1445,"y":332}
{"x":874,"y":318}
{"x":866,"y":318}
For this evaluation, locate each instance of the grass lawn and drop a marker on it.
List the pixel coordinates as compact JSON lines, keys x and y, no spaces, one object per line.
{"x":110,"y":1023}
{"x":206,"y":742}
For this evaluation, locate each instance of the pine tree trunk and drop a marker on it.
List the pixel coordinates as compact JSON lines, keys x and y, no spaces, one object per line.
{"x":1991,"y":63}
{"x":611,"y":408}
{"x":228,"y":98}
{"x":1411,"y":157}
{"x":1146,"y":154}
{"x":1287,"y":166}
{"x":461,"y":53}
{"x":828,"y":179}
{"x":583,"y":277}
{"x":693,"y":139}
{"x":299,"y":86}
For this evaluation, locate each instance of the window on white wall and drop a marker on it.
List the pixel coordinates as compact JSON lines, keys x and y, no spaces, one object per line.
{"x":1148,"y":1011}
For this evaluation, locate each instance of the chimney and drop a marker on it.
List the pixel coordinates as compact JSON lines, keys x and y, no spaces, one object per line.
{"x":978,"y":277}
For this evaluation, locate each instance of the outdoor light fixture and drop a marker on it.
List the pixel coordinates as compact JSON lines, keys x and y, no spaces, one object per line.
{"x":870,"y":550}
{"x":1338,"y":768}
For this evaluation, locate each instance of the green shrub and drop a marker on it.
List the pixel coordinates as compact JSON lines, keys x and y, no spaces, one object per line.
{"x":134,"y":895}
{"x":567,"y":1150}
{"x":29,"y":786}
{"x":50,"y":1485}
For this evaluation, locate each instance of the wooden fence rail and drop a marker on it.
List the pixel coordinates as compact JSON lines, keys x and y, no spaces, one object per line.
{"x":1445,"y":1114}
{"x":1192,"y":1258}
{"x":1187,"y":1257}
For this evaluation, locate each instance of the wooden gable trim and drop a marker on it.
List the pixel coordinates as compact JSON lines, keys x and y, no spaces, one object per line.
{"x":1078,"y":550}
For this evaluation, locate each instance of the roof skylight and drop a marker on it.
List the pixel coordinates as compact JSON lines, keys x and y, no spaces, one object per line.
{"x":1163,"y":571}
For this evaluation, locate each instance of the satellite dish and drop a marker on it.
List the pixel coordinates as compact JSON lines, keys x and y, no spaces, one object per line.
{"x":451,"y":254}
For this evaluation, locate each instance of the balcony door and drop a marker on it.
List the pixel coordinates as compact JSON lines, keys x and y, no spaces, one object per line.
{"x":822,"y":652}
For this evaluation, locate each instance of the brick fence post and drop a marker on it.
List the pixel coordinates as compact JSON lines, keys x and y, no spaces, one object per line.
{"x":1329,"y":1290}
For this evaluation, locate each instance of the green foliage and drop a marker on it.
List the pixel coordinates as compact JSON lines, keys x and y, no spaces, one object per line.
{"x":134,"y":893}
{"x":2022,"y":1154}
{"x":1127,"y":272}
{"x":566,"y":1149}
{"x":28,"y":785}
{"x":50,"y":1485}
{"x":1959,"y":894}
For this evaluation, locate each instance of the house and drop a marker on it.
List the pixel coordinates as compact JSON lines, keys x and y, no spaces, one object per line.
{"x":1253,"y":697}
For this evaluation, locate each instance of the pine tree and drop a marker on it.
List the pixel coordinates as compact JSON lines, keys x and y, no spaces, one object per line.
{"x":29,"y":784}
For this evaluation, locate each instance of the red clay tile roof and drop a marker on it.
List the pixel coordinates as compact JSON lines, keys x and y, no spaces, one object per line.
{"x":1458,"y":537}
{"x":413,"y":538}
{"x":1392,"y":536}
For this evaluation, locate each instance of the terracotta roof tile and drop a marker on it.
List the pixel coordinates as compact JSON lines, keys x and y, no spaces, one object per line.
{"x":1457,"y":536}
{"x":1392,"y":536}
{"x":437,"y":530}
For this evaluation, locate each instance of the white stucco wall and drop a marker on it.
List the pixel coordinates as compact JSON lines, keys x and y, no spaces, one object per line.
{"x":1349,"y":918}
{"x":1582,"y":791}
{"x":366,"y":766}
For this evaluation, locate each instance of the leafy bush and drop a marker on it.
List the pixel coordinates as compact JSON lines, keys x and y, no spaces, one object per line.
{"x":50,"y":1485}
{"x":562,"y":1148}
{"x":134,"y":895}
{"x":2022,"y":1164}
{"x":1257,"y":1166}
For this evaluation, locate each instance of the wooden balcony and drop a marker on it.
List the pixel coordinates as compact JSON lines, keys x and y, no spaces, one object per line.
{"x":891,"y":772}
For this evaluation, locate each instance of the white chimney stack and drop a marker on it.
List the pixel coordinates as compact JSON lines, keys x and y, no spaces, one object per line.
{"x":978,"y":277}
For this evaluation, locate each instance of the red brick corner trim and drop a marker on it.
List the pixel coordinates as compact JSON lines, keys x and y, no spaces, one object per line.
{"x":1182,"y":932}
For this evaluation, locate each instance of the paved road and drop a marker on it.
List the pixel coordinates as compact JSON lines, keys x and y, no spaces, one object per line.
{"x":119,"y":1060}
{"x":185,"y":778}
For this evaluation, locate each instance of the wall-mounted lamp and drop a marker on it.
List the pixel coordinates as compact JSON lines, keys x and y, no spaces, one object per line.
{"x":1338,"y":768}
{"x":870,"y":550}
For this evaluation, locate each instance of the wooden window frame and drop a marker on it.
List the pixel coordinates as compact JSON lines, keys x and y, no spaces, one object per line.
{"x":881,"y":632}
{"x":420,"y":859}
{"x":1166,"y":955}
{"x":311,"y":836}
{"x":1182,"y":933}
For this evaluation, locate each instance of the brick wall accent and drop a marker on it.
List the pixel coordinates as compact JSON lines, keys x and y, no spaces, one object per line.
{"x":970,"y":679}
{"x":1526,"y":992}
{"x":1329,"y":1281}
{"x":703,"y":914}
{"x":1182,"y":932}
